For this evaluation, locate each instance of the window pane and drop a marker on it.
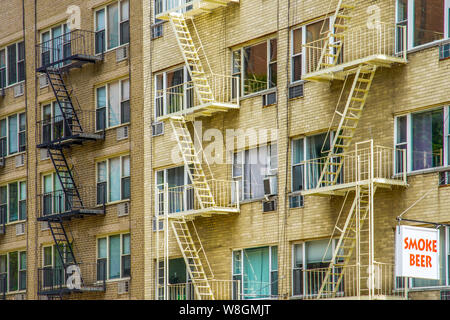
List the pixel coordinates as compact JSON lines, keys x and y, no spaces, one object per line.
{"x":124,"y":10}
{"x":237,"y":260}
{"x":314,"y":30}
{"x":114,"y":179}
{"x":114,"y":104}
{"x":114,"y":257}
{"x":13,"y":271}
{"x":297,"y":41}
{"x":315,"y":251}
{"x":427,"y":131}
{"x":297,"y":68}
{"x":100,"y":19}
{"x":255,"y":68}
{"x":256,"y":273}
{"x":102,"y":248}
{"x":401,"y":129}
{"x":113,"y":26}
{"x":101,"y":108}
{"x":12,"y":66}
{"x":12,"y":134}
{"x":126,"y":244}
{"x":428,"y":21}
{"x":13,"y":202}
{"x":48,"y":256}
{"x":402,"y":10}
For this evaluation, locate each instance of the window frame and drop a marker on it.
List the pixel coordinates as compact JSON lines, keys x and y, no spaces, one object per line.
{"x":107,"y":259}
{"x":121,"y":102}
{"x":19,"y":270}
{"x":17,"y":63}
{"x":18,"y":115}
{"x":409,"y":23}
{"x":19,"y":200}
{"x":64,"y":31}
{"x":107,"y":199}
{"x":106,"y":27}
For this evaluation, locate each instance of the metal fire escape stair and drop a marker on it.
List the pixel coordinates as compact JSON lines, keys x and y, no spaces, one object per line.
{"x":192,"y":161}
{"x":63,"y":243}
{"x":349,"y":119}
{"x":334,"y":37}
{"x":192,"y":58}
{"x":352,"y":232}
{"x":192,"y":258}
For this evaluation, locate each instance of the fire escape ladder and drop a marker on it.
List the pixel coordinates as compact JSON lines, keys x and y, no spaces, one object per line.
{"x":349,"y":119}
{"x":64,"y":99}
{"x":192,"y":58}
{"x":191,"y":255}
{"x":354,"y":232}
{"x":62,"y":242}
{"x":192,"y":160}
{"x":65,"y":177}
{"x":340,"y":22}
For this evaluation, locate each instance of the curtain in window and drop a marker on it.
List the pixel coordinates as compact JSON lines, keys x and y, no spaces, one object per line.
{"x":13,"y":202}
{"x":57,"y":44}
{"x":254,"y":172}
{"x":13,"y":137}
{"x":114,"y":104}
{"x":113,"y":26}
{"x":114,"y":179}
{"x":114,"y":257}
{"x":256,"y":273}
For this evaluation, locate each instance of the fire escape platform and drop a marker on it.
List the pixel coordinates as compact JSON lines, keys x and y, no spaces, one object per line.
{"x":195,"y":8}
{"x":204,"y":110}
{"x":70,"y":140}
{"x":73,"y":213}
{"x":341,"y":189}
{"x":206,"y":212}
{"x":74,"y":61}
{"x":340,"y":71}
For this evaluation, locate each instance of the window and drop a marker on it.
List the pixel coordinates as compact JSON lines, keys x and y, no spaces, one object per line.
{"x":13,"y":266}
{"x":179,"y":276}
{"x":54,"y":201}
{"x":174,"y":91}
{"x":256,"y":66}
{"x":180,"y":190}
{"x":52,"y":124}
{"x":113,"y":104}
{"x":12,"y":134}
{"x":306,"y":175}
{"x":251,"y":167}
{"x":113,"y":180}
{"x":426,"y":21}
{"x":13,"y":201}
{"x":425,"y":137}
{"x":257,"y":270}
{"x":56,"y":44}
{"x":12,"y":64}
{"x":114,"y":252}
{"x":112,"y":26}
{"x":299,"y":37}
{"x":309,"y":256}
{"x":53,"y":273}
{"x":157,"y":29}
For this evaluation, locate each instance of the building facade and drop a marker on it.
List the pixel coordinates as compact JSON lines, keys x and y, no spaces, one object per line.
{"x":221,"y":149}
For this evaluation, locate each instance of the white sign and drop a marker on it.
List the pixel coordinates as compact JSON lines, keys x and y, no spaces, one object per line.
{"x":417,"y":252}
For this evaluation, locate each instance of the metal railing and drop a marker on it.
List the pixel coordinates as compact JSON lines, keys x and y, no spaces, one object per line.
{"x":184,"y":199}
{"x":388,"y":163}
{"x":163,"y":7}
{"x":358,"y":43}
{"x":57,"y":129}
{"x":76,"y":277}
{"x":385,"y":284}
{"x":222,"y":290}
{"x":55,"y":203}
{"x":182,"y":97}
{"x":59,"y":51}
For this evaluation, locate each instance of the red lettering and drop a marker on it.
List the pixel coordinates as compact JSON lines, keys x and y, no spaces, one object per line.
{"x":412,"y":244}
{"x":434,"y":246}
{"x":417,"y":260}
{"x":429,"y":262}
{"x":421,"y":244}
{"x":411,"y":260}
{"x":406,"y":243}
{"x":428,"y":245}
{"x":422,"y":261}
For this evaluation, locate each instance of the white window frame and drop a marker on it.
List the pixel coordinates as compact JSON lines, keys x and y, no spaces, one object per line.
{"x":108,"y":257}
{"x":7,"y":66}
{"x":7,"y":254}
{"x":8,"y":153}
{"x":119,"y":16}
{"x":409,"y":141}
{"x":121,"y":100}
{"x":303,"y":244}
{"x":410,"y":24}
{"x":64,"y":30}
{"x":18,"y":182}
{"x":107,"y":200}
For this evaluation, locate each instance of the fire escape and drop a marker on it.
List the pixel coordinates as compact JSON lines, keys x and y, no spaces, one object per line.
{"x":204,"y":95}
{"x":69,"y":125}
{"x":352,"y":54}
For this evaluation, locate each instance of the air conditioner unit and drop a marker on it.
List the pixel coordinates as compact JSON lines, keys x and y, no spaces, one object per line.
{"x":44,"y":154}
{"x":122,"y":133}
{"x":269,"y":206}
{"x":121,"y":53}
{"x":43,"y":81}
{"x":20,"y":229}
{"x":157,"y":129}
{"x":123,"y":287}
{"x":20,"y":160}
{"x":270,"y":185}
{"x":123,"y":209}
{"x":19,"y":89}
{"x":269,"y":99}
{"x":20,"y":296}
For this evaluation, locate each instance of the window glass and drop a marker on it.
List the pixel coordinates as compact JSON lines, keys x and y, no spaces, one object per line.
{"x":102,"y":247}
{"x":12,"y":134}
{"x":428,"y":21}
{"x":13,"y":273}
{"x":255,"y":68}
{"x":256,"y":273}
{"x":13,"y":202}
{"x":12,"y":66}
{"x":114,"y":179}
{"x":113,"y":26}
{"x":114,"y":257}
{"x":114,"y":104}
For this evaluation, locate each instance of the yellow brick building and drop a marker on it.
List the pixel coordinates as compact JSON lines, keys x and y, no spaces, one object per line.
{"x":224,"y":149}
